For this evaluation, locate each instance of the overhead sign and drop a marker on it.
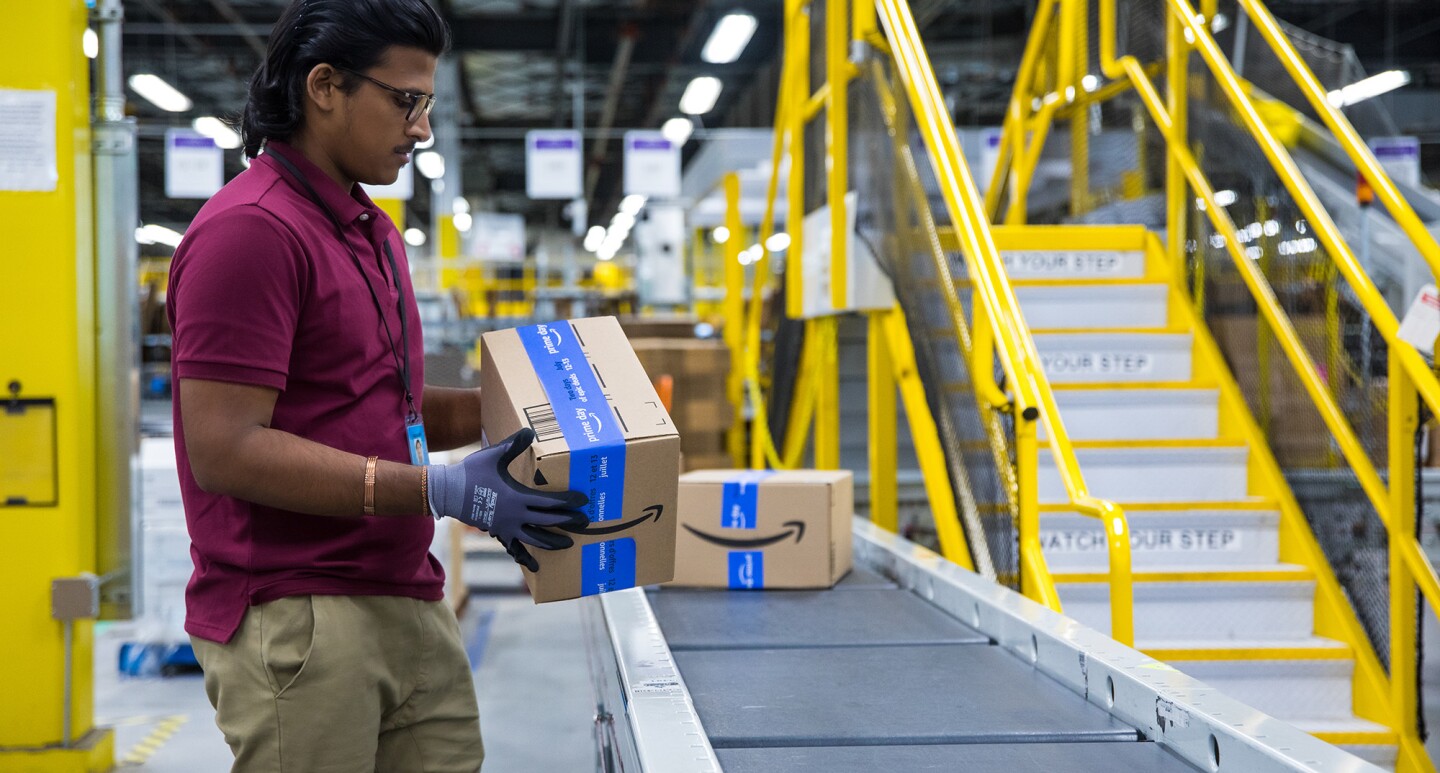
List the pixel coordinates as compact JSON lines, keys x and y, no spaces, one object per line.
{"x":1400,"y":157}
{"x":194,"y":165}
{"x":402,"y":189}
{"x":652,"y":165}
{"x":495,"y":236}
{"x":554,"y":165}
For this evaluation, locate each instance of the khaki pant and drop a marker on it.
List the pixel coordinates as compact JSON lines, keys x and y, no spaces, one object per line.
{"x":345,"y":684}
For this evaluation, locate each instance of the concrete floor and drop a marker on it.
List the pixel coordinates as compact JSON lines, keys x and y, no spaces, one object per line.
{"x":531,"y":677}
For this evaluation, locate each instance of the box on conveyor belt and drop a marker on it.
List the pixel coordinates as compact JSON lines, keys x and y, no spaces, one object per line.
{"x":659,"y":326}
{"x":748,"y":529}
{"x":698,"y":402}
{"x":599,"y":429}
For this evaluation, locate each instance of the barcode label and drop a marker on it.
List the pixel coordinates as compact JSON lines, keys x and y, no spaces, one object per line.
{"x":542,"y":420}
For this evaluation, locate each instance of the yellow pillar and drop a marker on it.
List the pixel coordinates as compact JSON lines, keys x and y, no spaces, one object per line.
{"x":47,"y":302}
{"x":734,"y":333}
{"x":884,"y":507}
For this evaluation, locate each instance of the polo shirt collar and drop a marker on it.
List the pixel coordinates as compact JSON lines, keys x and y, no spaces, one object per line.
{"x":345,"y":206}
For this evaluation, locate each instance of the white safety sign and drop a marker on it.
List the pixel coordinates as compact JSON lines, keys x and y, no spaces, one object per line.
{"x":1152,"y":540}
{"x":1097,"y":363}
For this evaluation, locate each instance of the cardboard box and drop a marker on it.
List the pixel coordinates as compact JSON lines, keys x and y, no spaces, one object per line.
{"x":659,"y":326}
{"x":599,"y":428}
{"x":753,"y":530}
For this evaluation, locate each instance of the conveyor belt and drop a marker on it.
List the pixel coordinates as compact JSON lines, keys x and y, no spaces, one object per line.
{"x":936,"y":669}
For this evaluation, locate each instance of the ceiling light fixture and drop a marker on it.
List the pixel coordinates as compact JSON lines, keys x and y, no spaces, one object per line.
{"x":1373,"y":86}
{"x":431,"y":164}
{"x":729,"y":38}
{"x":160,"y":93}
{"x":90,"y":43}
{"x":678,"y":130}
{"x":414,"y":237}
{"x":215,"y":129}
{"x":699,"y":97}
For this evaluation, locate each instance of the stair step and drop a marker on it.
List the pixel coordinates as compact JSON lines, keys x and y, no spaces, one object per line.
{"x":1251,"y":611}
{"x":1138,"y":414}
{"x":1062,"y":306}
{"x":1115,"y":357}
{"x":1197,"y":573}
{"x":1289,"y":690}
{"x":1367,"y":740}
{"x":1075,"y":542}
{"x":1074,"y":264}
{"x":1186,"y":650}
{"x":1153,"y":473}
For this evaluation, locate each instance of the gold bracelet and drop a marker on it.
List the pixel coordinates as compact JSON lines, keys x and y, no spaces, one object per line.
{"x":370,"y":485}
{"x":425,"y":490}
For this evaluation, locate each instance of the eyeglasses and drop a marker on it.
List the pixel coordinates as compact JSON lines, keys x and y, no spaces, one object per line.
{"x":416,"y":105}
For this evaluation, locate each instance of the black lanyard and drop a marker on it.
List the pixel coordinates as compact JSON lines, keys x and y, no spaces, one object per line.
{"x":401,"y":360}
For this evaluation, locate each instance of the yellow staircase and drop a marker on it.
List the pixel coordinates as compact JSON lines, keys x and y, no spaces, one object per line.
{"x":1229,"y":586}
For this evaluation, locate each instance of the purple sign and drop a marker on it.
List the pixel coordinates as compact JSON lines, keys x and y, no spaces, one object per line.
{"x":192,"y":142}
{"x":647,"y":144}
{"x":554,"y":144}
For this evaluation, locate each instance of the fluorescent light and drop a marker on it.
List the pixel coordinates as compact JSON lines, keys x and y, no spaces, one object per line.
{"x":460,"y":205}
{"x":678,"y":130}
{"x":622,"y":221}
{"x":1225,"y":198}
{"x":160,"y":93}
{"x":215,"y":129}
{"x":463,"y":221}
{"x":606,"y":254}
{"x":1373,"y":86}
{"x":1089,"y":83}
{"x":414,"y":237}
{"x":594,"y":237}
{"x":700,"y":95}
{"x":90,"y":43}
{"x":426,"y":144}
{"x":431,"y":164}
{"x":1219,"y":23}
{"x":632,"y":204}
{"x":729,"y":38}
{"x":720,"y":235}
{"x":157,"y":234}
{"x":778,"y":243}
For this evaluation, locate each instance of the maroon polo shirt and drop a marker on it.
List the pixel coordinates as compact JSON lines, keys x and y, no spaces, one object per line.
{"x":263,"y":292}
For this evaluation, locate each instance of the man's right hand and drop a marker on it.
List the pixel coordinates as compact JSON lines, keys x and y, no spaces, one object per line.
{"x":480,"y":492}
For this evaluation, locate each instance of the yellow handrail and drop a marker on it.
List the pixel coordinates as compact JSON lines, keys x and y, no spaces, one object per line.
{"x":1033,"y":396}
{"x":1409,"y":373}
{"x":1345,"y":133}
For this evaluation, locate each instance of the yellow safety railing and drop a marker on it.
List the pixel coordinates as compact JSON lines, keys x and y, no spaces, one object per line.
{"x":1001,"y":333}
{"x":1410,"y":376}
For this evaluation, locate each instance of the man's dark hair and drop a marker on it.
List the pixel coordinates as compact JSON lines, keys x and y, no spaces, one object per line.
{"x":349,"y":34}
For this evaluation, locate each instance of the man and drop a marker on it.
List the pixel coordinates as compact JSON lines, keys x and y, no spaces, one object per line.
{"x":315,"y":608}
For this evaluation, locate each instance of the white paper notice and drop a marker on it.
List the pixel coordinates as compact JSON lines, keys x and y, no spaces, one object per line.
{"x":1421,"y":325}
{"x":27,"y":141}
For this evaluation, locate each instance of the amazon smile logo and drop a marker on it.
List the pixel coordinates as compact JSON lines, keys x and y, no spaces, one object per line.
{"x":796,"y":528}
{"x":653,"y":511}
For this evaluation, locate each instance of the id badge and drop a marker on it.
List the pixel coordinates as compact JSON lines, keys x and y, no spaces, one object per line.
{"x":415,"y":438}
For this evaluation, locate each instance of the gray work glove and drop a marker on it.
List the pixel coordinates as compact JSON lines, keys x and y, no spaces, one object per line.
{"x":480,"y":492}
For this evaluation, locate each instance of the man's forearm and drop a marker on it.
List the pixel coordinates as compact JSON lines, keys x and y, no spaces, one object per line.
{"x":452,"y":417}
{"x":277,"y":469}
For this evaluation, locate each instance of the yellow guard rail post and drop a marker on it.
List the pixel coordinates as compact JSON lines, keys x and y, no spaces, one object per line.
{"x":1033,"y":396}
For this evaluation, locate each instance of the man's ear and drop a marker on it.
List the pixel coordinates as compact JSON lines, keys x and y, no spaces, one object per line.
{"x":322,"y":87}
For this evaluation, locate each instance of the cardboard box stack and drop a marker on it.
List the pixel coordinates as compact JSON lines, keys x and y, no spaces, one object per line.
{"x":753,"y":529}
{"x":701,"y":410}
{"x":599,"y":428}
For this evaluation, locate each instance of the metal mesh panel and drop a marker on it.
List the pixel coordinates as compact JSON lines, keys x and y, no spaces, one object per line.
{"x":897,"y":212}
{"x":1119,"y":177}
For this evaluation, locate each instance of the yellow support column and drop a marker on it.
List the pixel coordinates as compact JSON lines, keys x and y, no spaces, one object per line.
{"x":734,"y":274}
{"x":1177,"y":191}
{"x":884,"y":505}
{"x":47,"y":310}
{"x":837,"y":146}
{"x":827,"y":393}
{"x":797,"y":50}
{"x":1403,"y":421}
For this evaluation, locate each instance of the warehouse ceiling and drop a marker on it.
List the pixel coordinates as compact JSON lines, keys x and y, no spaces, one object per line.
{"x":518,"y":59}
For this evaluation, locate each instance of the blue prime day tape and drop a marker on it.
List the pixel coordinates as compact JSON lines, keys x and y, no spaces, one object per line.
{"x":597,"y":447}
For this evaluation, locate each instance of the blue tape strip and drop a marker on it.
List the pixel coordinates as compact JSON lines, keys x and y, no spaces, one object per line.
{"x":597,"y":446}
{"x":607,"y":566}
{"x":747,"y":569}
{"x":739,"y":500}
